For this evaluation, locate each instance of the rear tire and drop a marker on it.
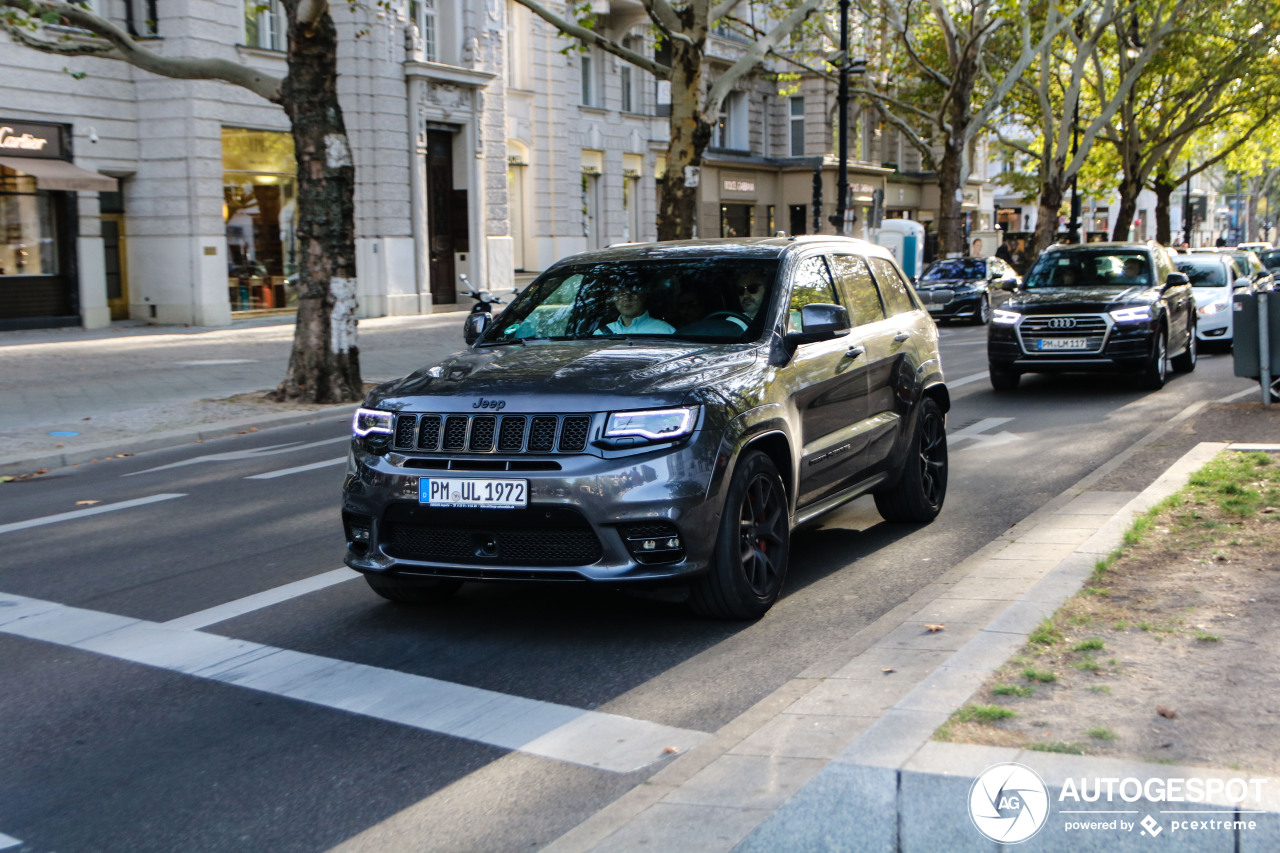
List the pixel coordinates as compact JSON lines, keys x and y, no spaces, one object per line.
{"x":1004,"y":380}
{"x":750,"y":559}
{"x":918,"y":495}
{"x":413,"y":590}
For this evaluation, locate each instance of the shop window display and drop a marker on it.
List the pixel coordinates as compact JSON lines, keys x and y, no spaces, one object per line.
{"x":260,"y":208}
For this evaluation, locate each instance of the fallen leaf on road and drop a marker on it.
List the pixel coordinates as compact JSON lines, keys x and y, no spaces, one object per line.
{"x":671,"y":750}
{"x":933,"y":629}
{"x":888,"y":670}
{"x":87,"y":503}
{"x":1166,"y":712}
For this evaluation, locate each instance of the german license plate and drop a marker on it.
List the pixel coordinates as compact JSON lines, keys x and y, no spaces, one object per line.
{"x":1063,"y":343}
{"x":473,"y":493}
{"x":934,"y":307}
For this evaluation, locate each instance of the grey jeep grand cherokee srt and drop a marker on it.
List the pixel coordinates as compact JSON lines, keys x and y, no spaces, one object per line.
{"x":655,"y":413}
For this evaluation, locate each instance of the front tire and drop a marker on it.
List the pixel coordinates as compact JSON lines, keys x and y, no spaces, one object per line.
{"x":752,"y":546}
{"x":1186,"y":362}
{"x":917,"y":496}
{"x":1004,"y":380}
{"x":415,"y":591}
{"x":982,"y":316}
{"x":1157,"y":369}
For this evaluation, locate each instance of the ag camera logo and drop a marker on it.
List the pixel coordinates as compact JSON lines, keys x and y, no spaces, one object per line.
{"x":1008,"y":803}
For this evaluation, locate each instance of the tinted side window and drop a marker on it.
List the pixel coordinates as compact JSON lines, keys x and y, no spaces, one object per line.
{"x":810,"y":285}
{"x":859,"y":291}
{"x":893,"y":290}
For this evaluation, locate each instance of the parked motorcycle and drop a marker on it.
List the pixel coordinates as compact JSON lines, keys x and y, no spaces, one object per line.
{"x":481,"y":314}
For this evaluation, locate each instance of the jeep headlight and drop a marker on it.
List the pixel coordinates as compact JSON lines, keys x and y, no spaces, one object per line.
{"x":1132,"y":315}
{"x":653,"y":425}
{"x":369,"y":422}
{"x":1005,"y":318}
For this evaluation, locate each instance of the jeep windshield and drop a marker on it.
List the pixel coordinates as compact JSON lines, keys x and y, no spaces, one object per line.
{"x":1089,"y":268}
{"x":714,"y":299}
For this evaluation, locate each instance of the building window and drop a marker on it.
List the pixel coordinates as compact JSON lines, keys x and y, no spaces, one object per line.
{"x":737,"y":220}
{"x":796,"y":127}
{"x":627,"y":75}
{"x":423,"y":15}
{"x":518,"y":28}
{"x":28,"y":226}
{"x":662,"y":55}
{"x":264,"y":24}
{"x":731,"y":126}
{"x":260,"y":209}
{"x":590,"y":89}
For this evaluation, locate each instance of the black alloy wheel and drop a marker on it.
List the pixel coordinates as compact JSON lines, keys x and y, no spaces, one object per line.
{"x":982,"y":316}
{"x":1186,"y":362}
{"x":750,"y":559}
{"x":1004,"y":380}
{"x":918,"y":495}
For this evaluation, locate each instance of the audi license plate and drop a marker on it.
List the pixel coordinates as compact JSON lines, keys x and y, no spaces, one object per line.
{"x":473,"y":494}
{"x":1063,"y":343}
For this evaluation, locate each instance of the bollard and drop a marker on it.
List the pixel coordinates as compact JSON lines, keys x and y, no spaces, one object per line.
{"x":1264,"y":348}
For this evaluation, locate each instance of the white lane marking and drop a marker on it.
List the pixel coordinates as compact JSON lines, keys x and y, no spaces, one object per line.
{"x":977,"y":432}
{"x":7,"y":841}
{"x":589,"y":738}
{"x":258,"y":601}
{"x":1231,"y":398}
{"x":207,"y":362}
{"x":271,"y":475}
{"x":237,"y":455}
{"x":973,"y":377}
{"x":81,"y":513}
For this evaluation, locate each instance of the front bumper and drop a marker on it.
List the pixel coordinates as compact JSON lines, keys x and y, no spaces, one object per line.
{"x":963,"y":305}
{"x":599,"y":516}
{"x":1107,"y":347}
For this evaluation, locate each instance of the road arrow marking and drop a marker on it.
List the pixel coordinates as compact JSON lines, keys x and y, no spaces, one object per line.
{"x":978,"y":433}
{"x":238,"y":455}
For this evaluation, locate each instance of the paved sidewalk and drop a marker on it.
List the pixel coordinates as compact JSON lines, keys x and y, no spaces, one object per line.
{"x":134,"y":387}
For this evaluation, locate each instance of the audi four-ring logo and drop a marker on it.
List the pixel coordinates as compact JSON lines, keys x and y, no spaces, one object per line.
{"x":1062,"y":323}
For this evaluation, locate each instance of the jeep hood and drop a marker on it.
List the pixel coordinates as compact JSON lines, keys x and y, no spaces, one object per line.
{"x":578,"y":375}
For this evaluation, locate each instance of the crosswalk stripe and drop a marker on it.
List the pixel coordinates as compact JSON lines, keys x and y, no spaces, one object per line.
{"x":589,"y":738}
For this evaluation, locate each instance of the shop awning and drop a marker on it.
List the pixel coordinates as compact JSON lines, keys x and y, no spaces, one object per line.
{"x":60,"y":175}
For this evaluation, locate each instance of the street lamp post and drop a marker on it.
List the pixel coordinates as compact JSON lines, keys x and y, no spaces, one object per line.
{"x":1073,"y":227}
{"x":842,"y":98}
{"x":1186,"y":210}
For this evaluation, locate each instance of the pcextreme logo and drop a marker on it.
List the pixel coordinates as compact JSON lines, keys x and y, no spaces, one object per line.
{"x":1008,"y":803}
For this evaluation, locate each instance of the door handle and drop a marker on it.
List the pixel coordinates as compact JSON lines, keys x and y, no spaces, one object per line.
{"x":902,"y":336}
{"x":854,"y":351}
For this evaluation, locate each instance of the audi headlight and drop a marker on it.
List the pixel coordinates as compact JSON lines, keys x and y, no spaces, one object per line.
{"x":1132,"y":315}
{"x":369,"y":422}
{"x":1005,"y":318}
{"x":653,"y":425}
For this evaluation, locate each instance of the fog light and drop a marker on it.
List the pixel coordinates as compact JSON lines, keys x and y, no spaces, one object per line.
{"x":673,"y":542}
{"x":359,"y":534}
{"x":648,"y":545}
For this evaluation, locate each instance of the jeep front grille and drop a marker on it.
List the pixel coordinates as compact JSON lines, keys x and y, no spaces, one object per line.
{"x":492,"y":433}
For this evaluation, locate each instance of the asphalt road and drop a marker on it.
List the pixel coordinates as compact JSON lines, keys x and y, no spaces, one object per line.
{"x":151,"y":747}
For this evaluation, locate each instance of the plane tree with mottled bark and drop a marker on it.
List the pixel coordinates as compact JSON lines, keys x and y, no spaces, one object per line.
{"x":685,"y":27}
{"x":324,"y":363}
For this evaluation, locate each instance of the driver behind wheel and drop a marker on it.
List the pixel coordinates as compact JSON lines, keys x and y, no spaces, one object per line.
{"x":750,"y":291}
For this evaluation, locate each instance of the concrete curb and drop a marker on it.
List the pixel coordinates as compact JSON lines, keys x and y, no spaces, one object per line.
{"x":894,"y":789}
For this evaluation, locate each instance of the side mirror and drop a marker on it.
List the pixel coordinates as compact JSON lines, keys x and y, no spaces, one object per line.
{"x":1176,"y":278}
{"x":1009,"y":285}
{"x":820,"y":322}
{"x":474,"y":326}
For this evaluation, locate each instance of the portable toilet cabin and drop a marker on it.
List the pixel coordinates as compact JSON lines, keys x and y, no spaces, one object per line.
{"x":905,"y":239}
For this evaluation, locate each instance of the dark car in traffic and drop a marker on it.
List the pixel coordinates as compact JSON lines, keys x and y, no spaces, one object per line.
{"x":1098,"y":307}
{"x":965,"y":289}
{"x":655,"y":413}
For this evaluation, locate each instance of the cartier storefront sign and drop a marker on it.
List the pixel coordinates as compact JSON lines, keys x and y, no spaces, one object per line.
{"x":29,"y":139}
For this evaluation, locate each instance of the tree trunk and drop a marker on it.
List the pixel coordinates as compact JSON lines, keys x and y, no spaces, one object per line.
{"x":1163,"y":188}
{"x":324,"y":366}
{"x":1052,"y":190}
{"x":950,"y":202}
{"x":1129,"y":189}
{"x":690,"y":134}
